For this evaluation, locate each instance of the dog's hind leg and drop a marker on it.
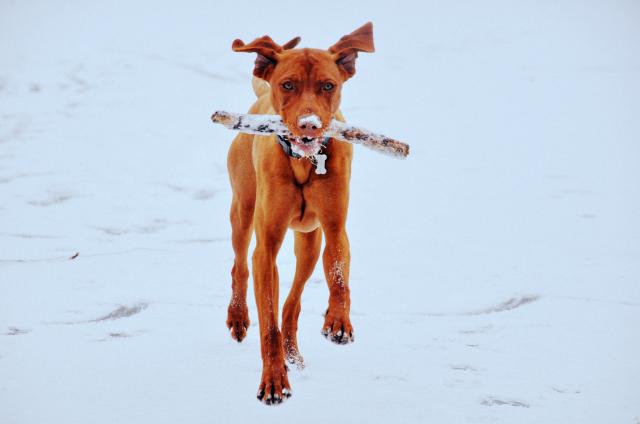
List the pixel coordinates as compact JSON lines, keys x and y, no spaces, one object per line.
{"x":336,"y":259}
{"x":307,"y":250}
{"x":242,"y":230}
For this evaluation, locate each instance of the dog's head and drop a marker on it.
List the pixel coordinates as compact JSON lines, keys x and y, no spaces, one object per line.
{"x":306,"y":83}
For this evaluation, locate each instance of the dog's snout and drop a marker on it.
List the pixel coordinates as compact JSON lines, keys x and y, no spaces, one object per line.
{"x":309,"y":124}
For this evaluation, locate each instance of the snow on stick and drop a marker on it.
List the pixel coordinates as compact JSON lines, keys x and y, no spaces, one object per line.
{"x":272,"y":124}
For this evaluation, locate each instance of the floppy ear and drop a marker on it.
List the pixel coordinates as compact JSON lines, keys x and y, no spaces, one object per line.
{"x":347,"y":48}
{"x":268,"y":52}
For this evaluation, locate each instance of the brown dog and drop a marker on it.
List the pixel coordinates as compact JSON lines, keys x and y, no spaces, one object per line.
{"x":275,"y":188}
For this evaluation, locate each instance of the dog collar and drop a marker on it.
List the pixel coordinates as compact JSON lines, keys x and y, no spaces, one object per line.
{"x":318,"y":160}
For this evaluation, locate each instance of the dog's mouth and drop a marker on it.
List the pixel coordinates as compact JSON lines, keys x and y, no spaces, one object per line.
{"x":305,"y":146}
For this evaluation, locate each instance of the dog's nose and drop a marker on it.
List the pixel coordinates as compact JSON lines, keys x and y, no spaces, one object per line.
{"x":309,"y":124}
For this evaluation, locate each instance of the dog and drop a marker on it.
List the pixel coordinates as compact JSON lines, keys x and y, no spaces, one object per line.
{"x":275,"y":188}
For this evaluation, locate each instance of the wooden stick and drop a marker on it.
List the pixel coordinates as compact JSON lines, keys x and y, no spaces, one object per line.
{"x":272,"y":124}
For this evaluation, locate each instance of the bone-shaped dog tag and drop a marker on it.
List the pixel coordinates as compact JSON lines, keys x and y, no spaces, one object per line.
{"x":320,"y":160}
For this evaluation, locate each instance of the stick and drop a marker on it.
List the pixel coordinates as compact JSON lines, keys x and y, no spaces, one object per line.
{"x":272,"y":124}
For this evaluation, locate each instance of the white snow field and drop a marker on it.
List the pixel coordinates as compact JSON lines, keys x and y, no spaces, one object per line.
{"x":495,"y":272}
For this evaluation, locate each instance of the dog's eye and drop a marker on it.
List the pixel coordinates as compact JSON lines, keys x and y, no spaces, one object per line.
{"x":287,"y":85}
{"x":328,"y":86}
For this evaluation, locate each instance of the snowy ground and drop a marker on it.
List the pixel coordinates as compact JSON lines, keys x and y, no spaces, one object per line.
{"x":495,"y":273}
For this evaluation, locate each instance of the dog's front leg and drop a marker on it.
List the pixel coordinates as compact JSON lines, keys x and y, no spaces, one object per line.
{"x":336,"y":259}
{"x":271,"y":223}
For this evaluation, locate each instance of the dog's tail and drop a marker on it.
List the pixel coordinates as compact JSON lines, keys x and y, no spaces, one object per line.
{"x":260,"y":86}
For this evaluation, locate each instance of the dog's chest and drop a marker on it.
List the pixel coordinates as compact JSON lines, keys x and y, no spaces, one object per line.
{"x":302,"y":170}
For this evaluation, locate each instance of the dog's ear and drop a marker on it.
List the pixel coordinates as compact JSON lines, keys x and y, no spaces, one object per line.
{"x":268,"y":52}
{"x":347,"y":48}
{"x":291,"y":43}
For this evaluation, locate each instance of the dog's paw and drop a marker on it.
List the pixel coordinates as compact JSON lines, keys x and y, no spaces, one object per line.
{"x":274,"y":387}
{"x":337,"y":329}
{"x":238,"y":321}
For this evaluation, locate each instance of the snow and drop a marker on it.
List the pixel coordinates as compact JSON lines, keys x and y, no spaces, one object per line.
{"x":494,"y":273}
{"x":310,"y":120}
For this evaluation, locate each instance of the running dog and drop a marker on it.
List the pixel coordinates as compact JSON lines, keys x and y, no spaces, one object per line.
{"x":276,"y":186}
